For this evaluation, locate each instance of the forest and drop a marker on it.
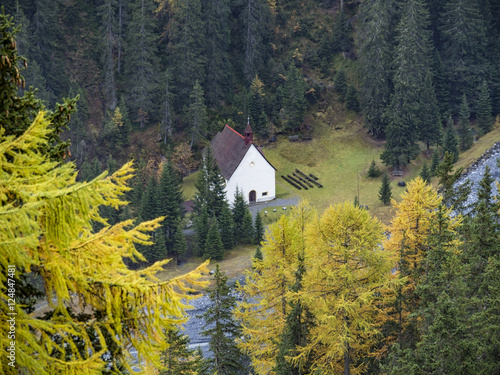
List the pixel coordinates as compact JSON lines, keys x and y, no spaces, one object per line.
{"x":88,"y":86}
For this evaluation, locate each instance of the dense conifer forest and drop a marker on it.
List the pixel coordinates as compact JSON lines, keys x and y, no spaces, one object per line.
{"x":101,"y":82}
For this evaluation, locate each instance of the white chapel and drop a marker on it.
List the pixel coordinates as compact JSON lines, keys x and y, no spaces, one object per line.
{"x":243,"y":166}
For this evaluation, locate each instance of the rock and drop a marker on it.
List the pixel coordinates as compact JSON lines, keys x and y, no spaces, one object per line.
{"x":402,"y":183}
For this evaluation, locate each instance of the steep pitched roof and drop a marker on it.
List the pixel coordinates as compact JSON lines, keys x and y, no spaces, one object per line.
{"x":228,"y":148}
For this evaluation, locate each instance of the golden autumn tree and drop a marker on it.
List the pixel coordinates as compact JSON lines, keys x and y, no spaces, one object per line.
{"x":267,"y":288}
{"x":409,"y":233}
{"x":347,"y":271}
{"x":46,"y":231}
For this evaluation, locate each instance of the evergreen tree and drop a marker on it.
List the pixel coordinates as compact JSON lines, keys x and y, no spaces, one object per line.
{"x":258,"y":254}
{"x":167,"y":119}
{"x":455,"y":197}
{"x":484,"y":110}
{"x":217,"y":25}
{"x":408,"y":103}
{"x":247,"y":234}
{"x":425,"y":173}
{"x":239,"y":209}
{"x":258,"y":229}
{"x":376,"y":44}
{"x":197,"y":113}
{"x":256,"y":111}
{"x":462,"y":32}
{"x":373,"y":171}
{"x":169,"y":199}
{"x":351,"y":99}
{"x":221,"y":327}
{"x":178,"y":359}
{"x":108,"y":29}
{"x":255,"y":19}
{"x":434,"y":162}
{"x":294,"y":102}
{"x":464,"y":130}
{"x":201,"y":223}
{"x":385,"y":193}
{"x":142,"y":62}
{"x":149,"y":202}
{"x":180,"y":244}
{"x":450,"y":142}
{"x":341,"y":33}
{"x":96,"y":167}
{"x":227,"y":227}
{"x":187,"y":47}
{"x":214,"y":248}
{"x":340,"y":85}
{"x":430,"y":129}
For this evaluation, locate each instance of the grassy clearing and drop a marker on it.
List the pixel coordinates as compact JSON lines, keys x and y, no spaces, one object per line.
{"x":188,"y":188}
{"x":235,"y":262}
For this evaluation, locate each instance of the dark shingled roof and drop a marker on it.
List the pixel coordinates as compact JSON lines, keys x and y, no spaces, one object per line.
{"x":228,"y":148}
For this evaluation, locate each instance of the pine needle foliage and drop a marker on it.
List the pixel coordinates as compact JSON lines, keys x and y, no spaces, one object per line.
{"x":46,"y":228}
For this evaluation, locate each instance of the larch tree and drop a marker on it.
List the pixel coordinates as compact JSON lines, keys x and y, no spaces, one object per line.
{"x":347,"y":274}
{"x":47,"y":230}
{"x":266,"y":305}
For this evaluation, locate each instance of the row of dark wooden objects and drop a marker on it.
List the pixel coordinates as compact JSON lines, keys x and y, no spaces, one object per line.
{"x":300,"y":180}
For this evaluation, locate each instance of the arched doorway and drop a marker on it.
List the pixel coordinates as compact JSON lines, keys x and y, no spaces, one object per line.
{"x":252,"y":196}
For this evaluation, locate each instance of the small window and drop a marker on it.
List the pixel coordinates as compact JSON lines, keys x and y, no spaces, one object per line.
{"x":264,"y":194}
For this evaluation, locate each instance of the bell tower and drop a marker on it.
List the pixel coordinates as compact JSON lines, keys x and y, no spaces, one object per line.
{"x":248,"y":133}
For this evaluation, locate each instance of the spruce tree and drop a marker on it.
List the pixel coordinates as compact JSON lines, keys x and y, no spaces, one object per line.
{"x":239,"y":209}
{"x":425,"y":173}
{"x":214,"y":248}
{"x":434,"y":162}
{"x":258,"y":254}
{"x":341,"y":33}
{"x":294,"y":102}
{"x":376,"y":44}
{"x":227,"y":227}
{"x":108,"y":30}
{"x":149,"y":203}
{"x":201,"y":223}
{"x":453,"y":196}
{"x":141,"y":66}
{"x":221,"y":327}
{"x":178,"y":358}
{"x":247,"y":234}
{"x":197,"y":113}
{"x":385,"y":193}
{"x":430,"y":130}
{"x":351,"y":99}
{"x":258,"y":228}
{"x":180,"y":244}
{"x":484,"y":110}
{"x":256,"y":111}
{"x":373,"y":171}
{"x":464,"y":129}
{"x":340,"y":85}
{"x":450,"y":142}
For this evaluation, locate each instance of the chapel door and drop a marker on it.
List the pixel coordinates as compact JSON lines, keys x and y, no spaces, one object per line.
{"x":252,"y":196}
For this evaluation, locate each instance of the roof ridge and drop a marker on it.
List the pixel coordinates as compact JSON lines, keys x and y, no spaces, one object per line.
{"x":235,"y":131}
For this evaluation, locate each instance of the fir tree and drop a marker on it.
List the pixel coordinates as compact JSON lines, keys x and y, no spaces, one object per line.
{"x":214,"y":247}
{"x":340,"y":85}
{"x":484,"y":111}
{"x":178,"y":359}
{"x":247,"y":234}
{"x":341,"y":33}
{"x":294,"y":102}
{"x":434,"y":162}
{"x":221,"y":327}
{"x":430,"y":129}
{"x":374,"y":171}
{"x":464,"y":130}
{"x":197,"y":113}
{"x":425,"y":173}
{"x":180,"y":244}
{"x":450,"y":142}
{"x":453,"y":196}
{"x":149,"y":202}
{"x":258,"y":254}
{"x":258,"y":228}
{"x":108,"y":29}
{"x":201,"y":222}
{"x":258,"y":117}
{"x":239,"y":209}
{"x":385,"y":193}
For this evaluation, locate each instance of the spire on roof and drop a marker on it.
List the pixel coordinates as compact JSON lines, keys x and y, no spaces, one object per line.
{"x":248,"y":133}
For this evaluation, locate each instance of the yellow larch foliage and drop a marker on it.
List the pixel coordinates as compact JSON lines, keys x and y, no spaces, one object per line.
{"x":346,"y":272}
{"x":263,"y":314}
{"x":46,"y":229}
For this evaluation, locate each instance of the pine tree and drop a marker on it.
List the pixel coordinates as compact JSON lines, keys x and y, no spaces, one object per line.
{"x":385,"y":194}
{"x":227,"y":227}
{"x":351,"y":99}
{"x":434,"y":162}
{"x":464,"y":130}
{"x":425,"y":173}
{"x":484,"y":110}
{"x":450,"y":142}
{"x":376,"y":44}
{"x":221,"y":327}
{"x":340,"y":85}
{"x":141,"y":66}
{"x":214,"y":248}
{"x":258,"y":228}
{"x":294,"y":102}
{"x":51,"y":235}
{"x":197,"y":113}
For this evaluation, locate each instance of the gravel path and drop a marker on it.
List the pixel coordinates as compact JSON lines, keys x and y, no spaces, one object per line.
{"x":275,"y":202}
